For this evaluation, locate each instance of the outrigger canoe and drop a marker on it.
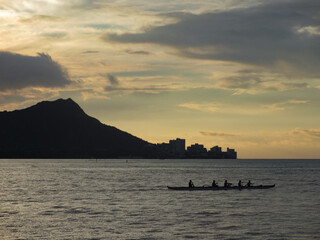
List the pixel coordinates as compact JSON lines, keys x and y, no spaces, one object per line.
{"x":220,"y":188}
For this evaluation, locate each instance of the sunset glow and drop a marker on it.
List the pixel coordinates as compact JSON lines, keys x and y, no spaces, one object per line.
{"x":239,"y":74}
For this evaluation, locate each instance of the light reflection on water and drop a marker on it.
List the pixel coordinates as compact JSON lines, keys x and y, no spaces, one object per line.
{"x":119,"y":199}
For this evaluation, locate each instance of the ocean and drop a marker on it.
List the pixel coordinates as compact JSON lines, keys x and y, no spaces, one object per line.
{"x":129,"y":199}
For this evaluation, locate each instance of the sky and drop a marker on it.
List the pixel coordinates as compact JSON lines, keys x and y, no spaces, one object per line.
{"x":239,"y":74}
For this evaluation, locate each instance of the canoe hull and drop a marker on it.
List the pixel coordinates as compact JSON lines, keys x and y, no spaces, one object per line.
{"x":219,"y":188}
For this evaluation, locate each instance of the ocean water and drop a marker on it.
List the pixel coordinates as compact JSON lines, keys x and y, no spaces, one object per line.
{"x":128,"y":199}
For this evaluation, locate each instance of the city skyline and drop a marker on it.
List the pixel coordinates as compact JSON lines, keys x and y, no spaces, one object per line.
{"x":228,"y":73}
{"x":177,"y":148}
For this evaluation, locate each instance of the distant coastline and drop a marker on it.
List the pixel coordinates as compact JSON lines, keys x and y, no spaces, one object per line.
{"x":61,"y":129}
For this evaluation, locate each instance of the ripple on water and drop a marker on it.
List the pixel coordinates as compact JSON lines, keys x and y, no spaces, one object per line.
{"x":48,"y":213}
{"x":10,"y":212}
{"x":80,"y":199}
{"x":208,"y":213}
{"x":77,"y":210}
{"x":58,"y":207}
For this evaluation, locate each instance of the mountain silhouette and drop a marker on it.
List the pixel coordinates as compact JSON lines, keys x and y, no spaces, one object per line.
{"x":61,"y":129}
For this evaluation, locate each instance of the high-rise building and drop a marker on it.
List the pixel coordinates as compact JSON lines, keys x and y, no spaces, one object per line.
{"x":174,"y":149}
{"x":231,"y":153}
{"x":178,"y":147}
{"x":197,"y":151}
{"x":215,"y":152}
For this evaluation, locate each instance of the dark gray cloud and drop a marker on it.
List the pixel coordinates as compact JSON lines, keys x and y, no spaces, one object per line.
{"x":295,"y":85}
{"x":282,"y":34}
{"x":138,"y":52}
{"x":246,"y":80}
{"x":112,"y":79}
{"x":20,"y":71}
{"x":241,"y":82}
{"x":89,"y":52}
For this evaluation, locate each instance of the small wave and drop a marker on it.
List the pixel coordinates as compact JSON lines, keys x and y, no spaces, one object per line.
{"x":154,"y":231}
{"x":148,"y":238}
{"x":76,"y":211}
{"x":11,"y":226}
{"x":134,"y":214}
{"x":32,"y":201}
{"x":95,"y":213}
{"x":233,"y":227}
{"x":137,"y":223}
{"x":10,"y":212}
{"x":58,"y":207}
{"x":254,"y":233}
{"x":207,"y":213}
{"x":237,"y":215}
{"x":47,"y":213}
{"x":190,"y":236}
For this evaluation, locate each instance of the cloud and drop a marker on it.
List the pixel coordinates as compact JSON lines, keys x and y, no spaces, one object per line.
{"x":55,"y":35}
{"x":257,"y":82}
{"x":150,"y":89}
{"x":41,"y":18}
{"x":236,"y":107}
{"x":280,"y":106}
{"x":89,"y":52}
{"x":112,"y":80}
{"x":91,"y":94}
{"x":297,"y":101}
{"x":280,"y":35}
{"x":137,"y":85}
{"x":314,"y":133}
{"x":21,"y":71}
{"x":203,"y":107}
{"x":85,"y":4}
{"x":310,"y":30}
{"x":218,"y":134}
{"x":21,"y":98}
{"x":137,"y":52}
{"x":243,"y":81}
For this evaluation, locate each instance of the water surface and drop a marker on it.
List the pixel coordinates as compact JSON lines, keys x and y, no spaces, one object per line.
{"x":128,"y":199}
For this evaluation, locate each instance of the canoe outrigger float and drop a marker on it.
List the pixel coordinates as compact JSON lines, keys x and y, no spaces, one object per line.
{"x":220,"y":188}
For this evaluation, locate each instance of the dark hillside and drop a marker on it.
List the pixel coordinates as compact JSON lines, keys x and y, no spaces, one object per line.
{"x":61,"y":129}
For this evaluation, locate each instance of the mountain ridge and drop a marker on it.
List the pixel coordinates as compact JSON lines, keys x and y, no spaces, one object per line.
{"x":61,"y":129}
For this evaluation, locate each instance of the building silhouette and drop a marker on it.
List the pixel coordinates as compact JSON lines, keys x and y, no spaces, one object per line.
{"x":177,"y":149}
{"x":196,"y":151}
{"x":173,"y":149}
{"x":215,"y":152}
